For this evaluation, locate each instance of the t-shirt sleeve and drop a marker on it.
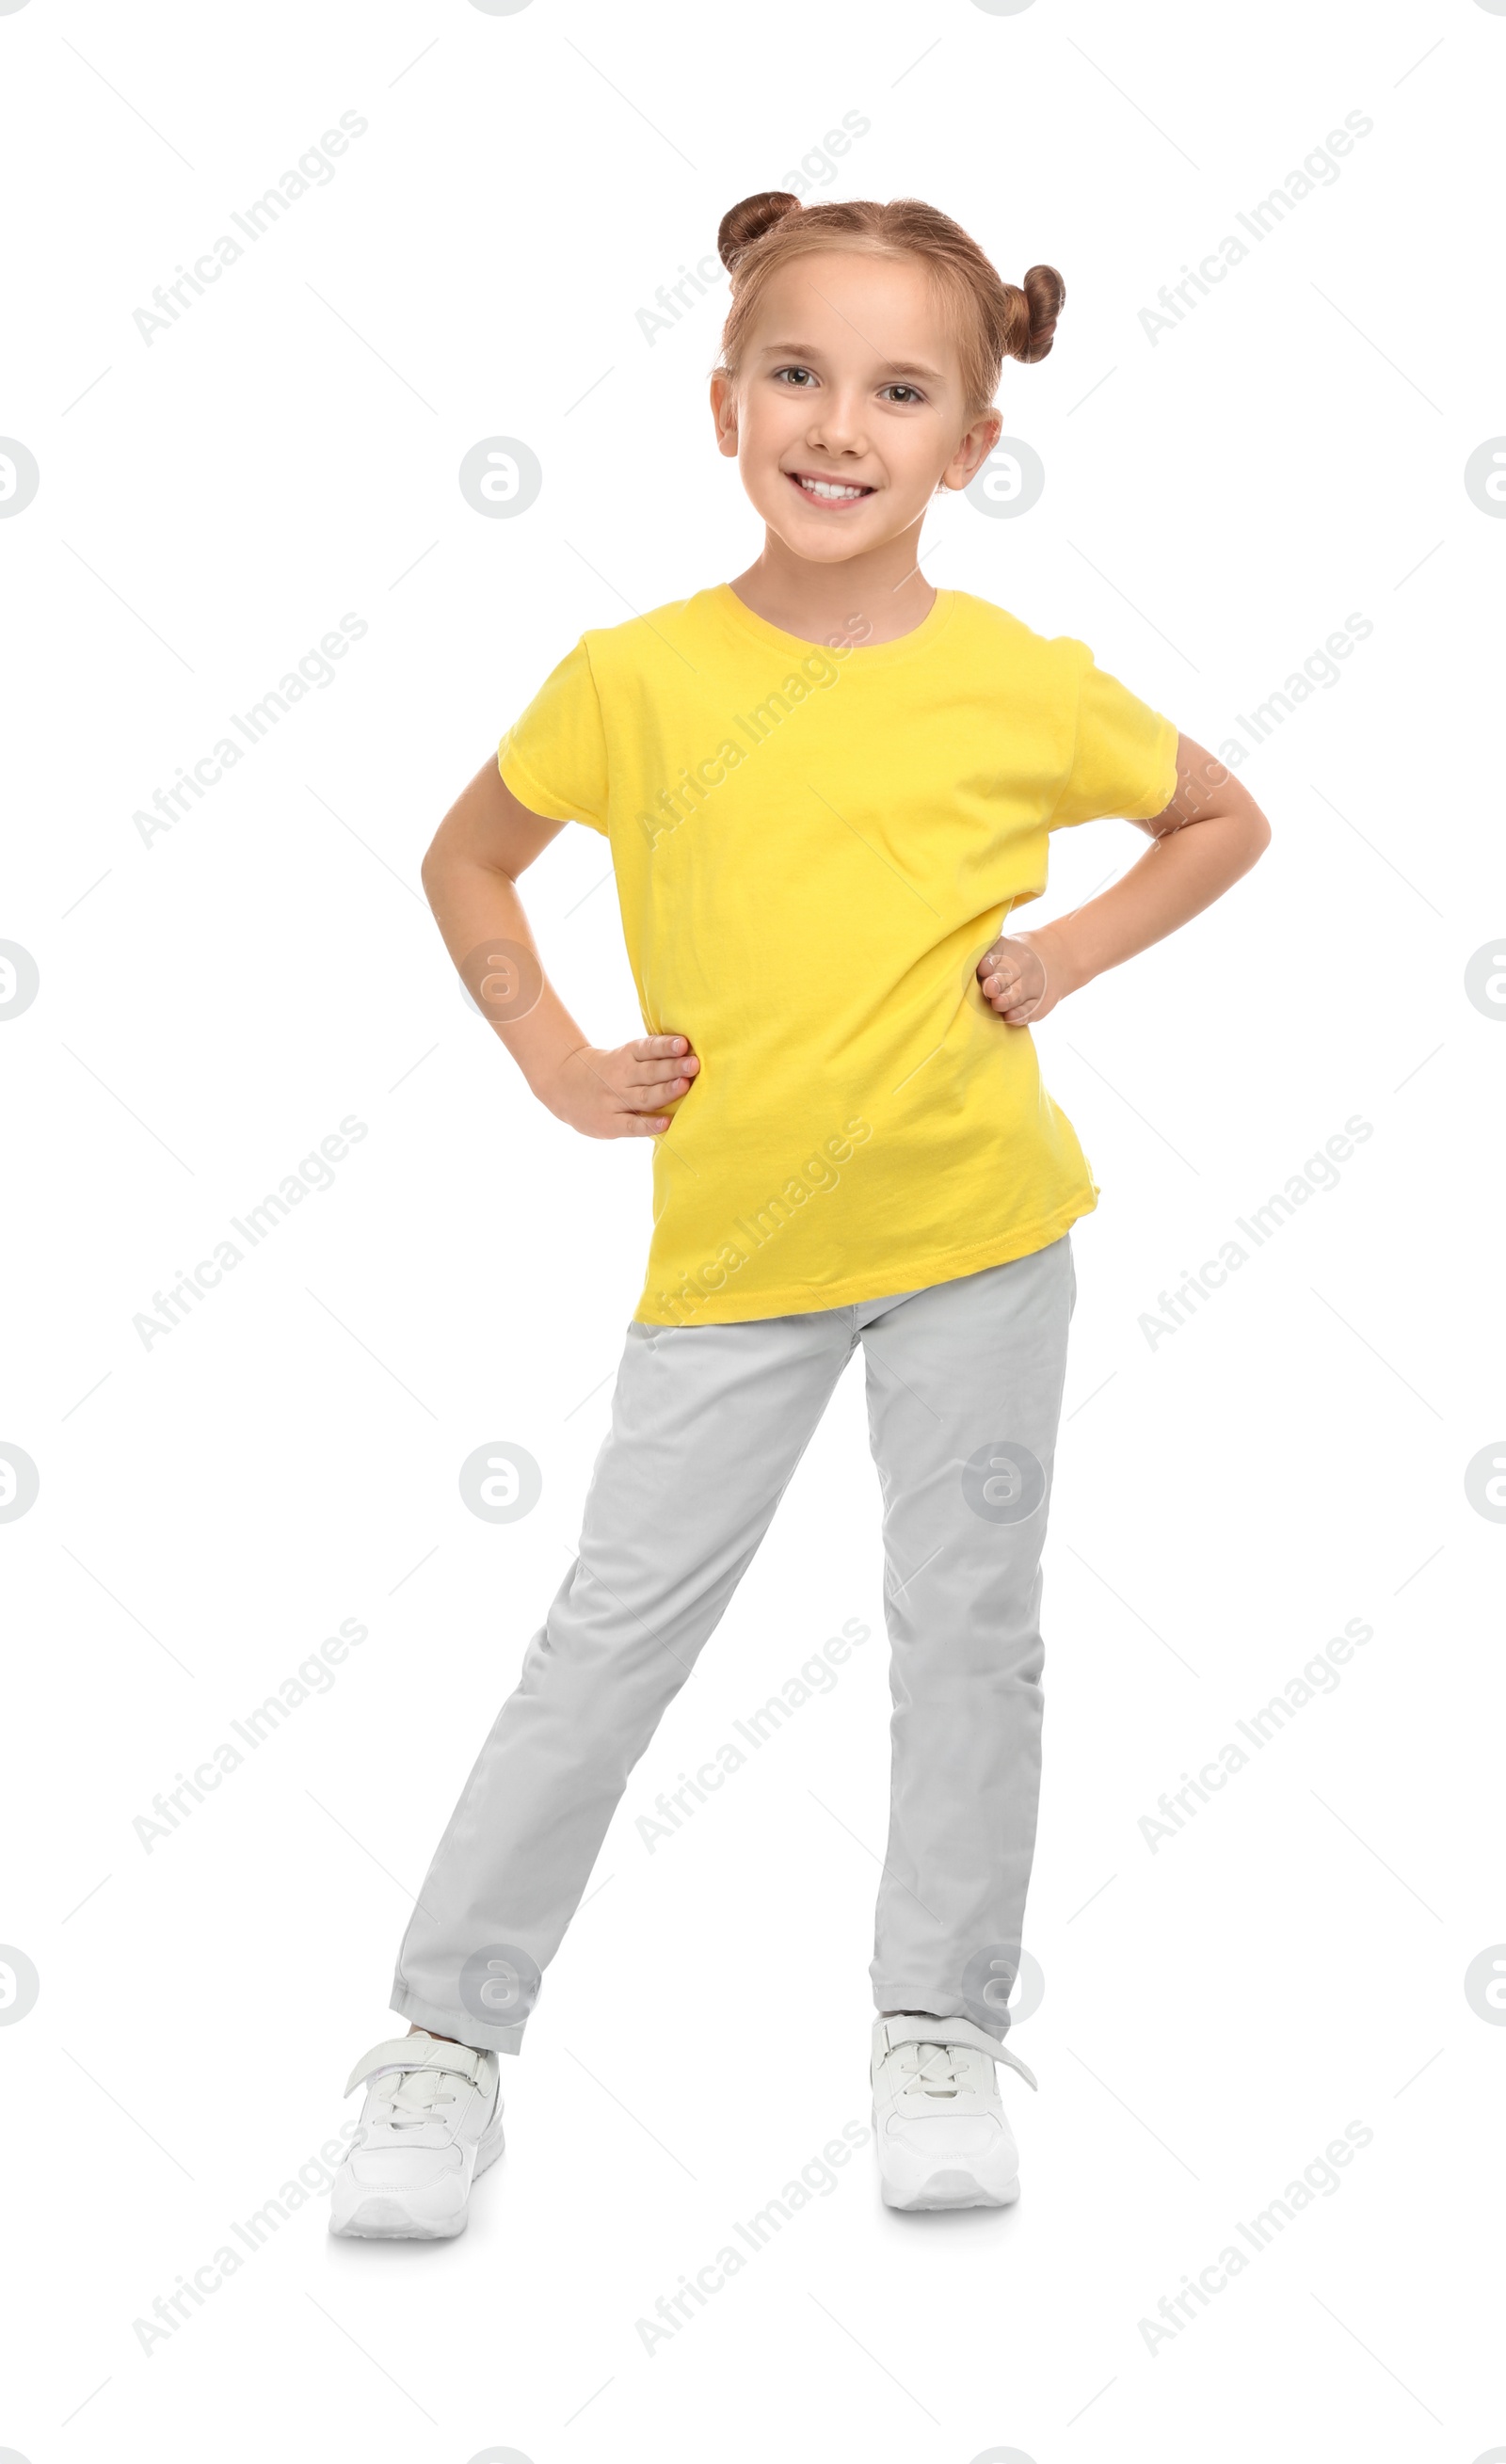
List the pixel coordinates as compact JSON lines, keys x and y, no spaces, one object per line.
{"x":554,"y":756}
{"x":1125,"y":761}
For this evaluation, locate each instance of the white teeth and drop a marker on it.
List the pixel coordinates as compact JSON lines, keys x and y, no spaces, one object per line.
{"x":829,"y":487}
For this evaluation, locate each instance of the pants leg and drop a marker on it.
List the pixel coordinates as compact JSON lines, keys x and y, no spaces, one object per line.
{"x":708,"y":1425}
{"x":965,"y":1386}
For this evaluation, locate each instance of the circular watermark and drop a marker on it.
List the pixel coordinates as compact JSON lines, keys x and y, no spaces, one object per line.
{"x":19,"y":475}
{"x":19,"y":1985}
{"x":1493,"y":9}
{"x":1485,"y":1482}
{"x":1004,"y":8}
{"x":1484,"y":977}
{"x":1485,"y":472}
{"x":501,"y":1483}
{"x":1010,"y":481}
{"x":1003,"y":1983}
{"x":1004,"y":2454}
{"x":500,"y":1984}
{"x":501,"y":981}
{"x":19,"y":979}
{"x":20,"y":1482}
{"x":501,"y":476}
{"x":1485,"y":1984}
{"x":488,"y":2454}
{"x":1003,"y":1481}
{"x":501,"y":9}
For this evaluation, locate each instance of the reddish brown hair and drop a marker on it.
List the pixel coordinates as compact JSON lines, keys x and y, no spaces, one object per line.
{"x":994,"y":320}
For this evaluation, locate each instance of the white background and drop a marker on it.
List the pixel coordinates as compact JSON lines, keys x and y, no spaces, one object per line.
{"x":212,"y":1003}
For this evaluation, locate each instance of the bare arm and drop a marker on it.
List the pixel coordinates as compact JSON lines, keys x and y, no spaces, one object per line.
{"x":470,"y":877}
{"x":1211,"y":831}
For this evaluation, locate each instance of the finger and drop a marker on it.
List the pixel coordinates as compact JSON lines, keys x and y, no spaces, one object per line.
{"x":640,"y":1100}
{"x":654,"y":1095}
{"x":654,"y":1048}
{"x":642,"y":1125}
{"x":654,"y":1073}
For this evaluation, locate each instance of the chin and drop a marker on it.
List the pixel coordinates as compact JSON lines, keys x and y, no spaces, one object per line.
{"x":823,"y":550}
{"x":816,"y":538}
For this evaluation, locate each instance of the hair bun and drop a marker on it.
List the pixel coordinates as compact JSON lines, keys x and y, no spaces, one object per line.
{"x":744,"y":223}
{"x":1045,"y":291}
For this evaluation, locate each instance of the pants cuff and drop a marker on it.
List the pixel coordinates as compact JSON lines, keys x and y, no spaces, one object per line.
{"x":457,"y":2024}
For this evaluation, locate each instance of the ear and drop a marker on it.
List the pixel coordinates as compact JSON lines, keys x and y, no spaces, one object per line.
{"x":724,"y":411}
{"x":973,"y":450}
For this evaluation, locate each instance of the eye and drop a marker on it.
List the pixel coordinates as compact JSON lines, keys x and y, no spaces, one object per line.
{"x":799,"y":376}
{"x":908,"y":390}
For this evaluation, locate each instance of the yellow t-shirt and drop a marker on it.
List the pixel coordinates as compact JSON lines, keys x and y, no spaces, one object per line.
{"x":813,"y":847}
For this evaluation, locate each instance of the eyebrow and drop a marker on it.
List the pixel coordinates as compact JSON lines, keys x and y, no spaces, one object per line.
{"x":891,"y":368}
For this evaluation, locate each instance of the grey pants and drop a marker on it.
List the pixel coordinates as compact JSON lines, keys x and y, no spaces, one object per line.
{"x":965,"y":1385}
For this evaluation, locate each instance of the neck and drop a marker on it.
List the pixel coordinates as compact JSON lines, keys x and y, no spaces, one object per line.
{"x":875,"y":597}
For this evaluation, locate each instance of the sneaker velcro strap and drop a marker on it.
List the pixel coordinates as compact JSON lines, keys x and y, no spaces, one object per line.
{"x":420,"y":2053}
{"x":910,"y":2029}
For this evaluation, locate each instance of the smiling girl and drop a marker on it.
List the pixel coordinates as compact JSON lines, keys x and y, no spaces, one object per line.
{"x":826,"y":786}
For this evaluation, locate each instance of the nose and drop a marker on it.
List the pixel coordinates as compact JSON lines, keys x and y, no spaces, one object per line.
{"x":837,"y":427}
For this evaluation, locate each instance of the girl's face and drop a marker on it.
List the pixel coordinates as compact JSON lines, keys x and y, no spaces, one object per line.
{"x":848,"y":410}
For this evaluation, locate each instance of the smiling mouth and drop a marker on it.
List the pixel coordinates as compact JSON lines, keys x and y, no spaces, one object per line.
{"x":826,"y":492}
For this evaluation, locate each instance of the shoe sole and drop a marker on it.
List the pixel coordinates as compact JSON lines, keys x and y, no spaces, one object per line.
{"x":384,"y":2218}
{"x":949,"y":2191}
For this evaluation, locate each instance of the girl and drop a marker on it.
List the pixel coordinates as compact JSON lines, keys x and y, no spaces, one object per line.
{"x":826,"y":786}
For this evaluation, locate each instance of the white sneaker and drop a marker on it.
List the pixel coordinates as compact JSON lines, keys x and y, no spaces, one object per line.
{"x":939,"y":2126}
{"x":432,"y":2122}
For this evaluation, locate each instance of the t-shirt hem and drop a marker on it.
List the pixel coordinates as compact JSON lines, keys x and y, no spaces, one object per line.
{"x":1164,"y":771}
{"x":910,"y":1275}
{"x":532,"y":793}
